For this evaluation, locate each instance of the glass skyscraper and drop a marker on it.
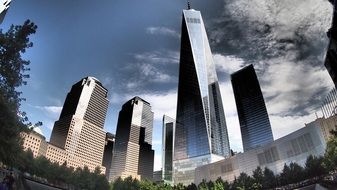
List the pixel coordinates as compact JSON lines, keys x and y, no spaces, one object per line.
{"x":167,"y":147}
{"x":331,"y":55}
{"x":133,"y":154}
{"x":253,"y":116}
{"x":201,"y":133}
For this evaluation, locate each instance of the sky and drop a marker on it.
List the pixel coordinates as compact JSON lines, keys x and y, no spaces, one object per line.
{"x":133,"y":47}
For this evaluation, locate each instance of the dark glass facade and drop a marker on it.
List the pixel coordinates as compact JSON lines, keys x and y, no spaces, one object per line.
{"x":253,"y":116}
{"x":331,"y":55}
{"x":201,"y":128}
{"x":108,"y":149}
{"x":200,"y":135}
{"x":133,"y":154}
{"x":167,"y":147}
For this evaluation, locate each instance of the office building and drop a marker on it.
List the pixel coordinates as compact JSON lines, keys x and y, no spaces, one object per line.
{"x":253,"y":116}
{"x":167,"y":148}
{"x":329,"y":106}
{"x":79,"y":130}
{"x":4,"y":6}
{"x":294,"y":147}
{"x":35,"y":142}
{"x":157,"y":176}
{"x":133,"y":155}
{"x":327,"y":125}
{"x":201,"y":134}
{"x":108,"y":151}
{"x":331,"y":55}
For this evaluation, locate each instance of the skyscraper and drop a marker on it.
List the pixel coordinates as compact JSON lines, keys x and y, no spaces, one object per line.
{"x":4,"y":6}
{"x":108,"y":150}
{"x":331,"y":55}
{"x":252,"y":111}
{"x":133,"y":154}
{"x":167,"y":148}
{"x":201,"y":132}
{"x":79,"y":130}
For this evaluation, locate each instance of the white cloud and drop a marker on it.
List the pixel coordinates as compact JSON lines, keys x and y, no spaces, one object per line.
{"x":158,"y":57}
{"x":164,"y":103}
{"x":51,"y":111}
{"x":38,"y":130}
{"x":148,"y":70}
{"x":290,"y":85}
{"x":282,"y":126}
{"x":228,"y":64}
{"x":162,"y":31}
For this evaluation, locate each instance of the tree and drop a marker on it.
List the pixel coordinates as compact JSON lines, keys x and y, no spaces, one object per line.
{"x":180,"y":186}
{"x":330,"y":156}
{"x":269,"y":179}
{"x":244,"y":181}
{"x":220,"y":184}
{"x":192,"y":186}
{"x":314,"y":166}
{"x":203,"y":185}
{"x":292,"y":173}
{"x":258,"y":175}
{"x":146,"y":185}
{"x":13,"y":44}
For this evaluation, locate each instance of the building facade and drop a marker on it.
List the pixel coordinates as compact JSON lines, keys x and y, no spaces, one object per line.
{"x":295,"y":147}
{"x":4,"y":6}
{"x":108,"y":151}
{"x":79,"y":130}
{"x":331,"y":55}
{"x":133,"y":154}
{"x":327,"y":125}
{"x":35,"y":142}
{"x":329,"y":106}
{"x":253,"y":116}
{"x":167,"y":148}
{"x":201,"y":133}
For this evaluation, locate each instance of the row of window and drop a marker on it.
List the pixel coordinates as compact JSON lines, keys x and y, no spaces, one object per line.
{"x":193,"y":20}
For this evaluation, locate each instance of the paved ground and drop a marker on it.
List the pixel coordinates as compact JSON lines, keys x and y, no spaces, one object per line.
{"x":32,"y":185}
{"x":313,"y":187}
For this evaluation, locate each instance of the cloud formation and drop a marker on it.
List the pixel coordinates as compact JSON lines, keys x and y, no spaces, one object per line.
{"x":162,"y":31}
{"x":286,"y":42}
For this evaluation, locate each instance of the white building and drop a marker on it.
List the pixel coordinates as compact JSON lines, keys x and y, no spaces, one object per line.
{"x":295,"y":147}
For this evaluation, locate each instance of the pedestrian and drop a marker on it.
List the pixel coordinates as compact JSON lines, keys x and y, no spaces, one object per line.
{"x":3,"y":184}
{"x":10,"y":181}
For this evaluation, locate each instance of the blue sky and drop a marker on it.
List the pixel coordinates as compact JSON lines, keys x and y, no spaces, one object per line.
{"x":132,"y":47}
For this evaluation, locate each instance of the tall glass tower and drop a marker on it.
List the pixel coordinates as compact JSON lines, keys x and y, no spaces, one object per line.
{"x":167,"y":148}
{"x":331,"y":55}
{"x":201,"y":133}
{"x":252,"y":111}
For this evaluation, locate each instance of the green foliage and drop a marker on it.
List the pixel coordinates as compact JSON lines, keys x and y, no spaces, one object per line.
{"x":180,"y":186}
{"x":314,"y":166}
{"x":61,"y":174}
{"x":330,"y":156}
{"x":244,"y":181}
{"x":220,"y":184}
{"x":203,"y":185}
{"x":292,"y":173}
{"x":13,"y":44}
{"x":269,"y":179}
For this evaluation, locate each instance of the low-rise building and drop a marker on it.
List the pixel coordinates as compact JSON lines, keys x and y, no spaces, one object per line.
{"x":35,"y":142}
{"x":295,"y":147}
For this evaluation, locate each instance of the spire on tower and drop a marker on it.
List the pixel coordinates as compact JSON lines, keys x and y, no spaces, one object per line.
{"x":188,"y":5}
